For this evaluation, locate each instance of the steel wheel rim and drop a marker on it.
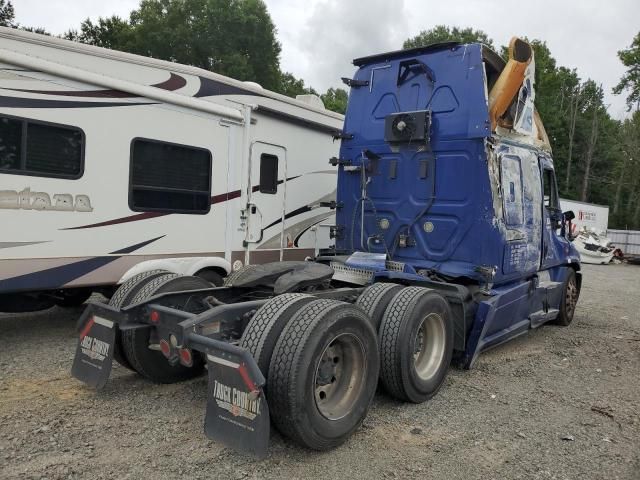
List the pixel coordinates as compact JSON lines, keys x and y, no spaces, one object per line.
{"x":571,"y":297}
{"x":429,"y":346}
{"x":339,"y":376}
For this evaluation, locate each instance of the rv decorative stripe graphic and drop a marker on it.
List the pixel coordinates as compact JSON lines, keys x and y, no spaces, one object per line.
{"x":175,"y":82}
{"x":223,"y":197}
{"x":58,"y":276}
{"x":20,"y":102}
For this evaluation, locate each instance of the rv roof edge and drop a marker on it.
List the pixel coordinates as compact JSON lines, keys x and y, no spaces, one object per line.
{"x":152,"y":93}
{"x":21,"y":35}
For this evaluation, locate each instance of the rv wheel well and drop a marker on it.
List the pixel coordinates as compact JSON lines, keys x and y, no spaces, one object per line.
{"x":214,"y":275}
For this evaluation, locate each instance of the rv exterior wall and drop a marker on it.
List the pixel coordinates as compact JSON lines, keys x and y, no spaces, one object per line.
{"x":105,"y":225}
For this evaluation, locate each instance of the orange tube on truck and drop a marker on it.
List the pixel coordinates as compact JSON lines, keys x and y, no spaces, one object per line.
{"x":510,"y":80}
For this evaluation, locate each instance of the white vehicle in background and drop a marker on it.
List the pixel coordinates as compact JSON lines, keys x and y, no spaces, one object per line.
{"x":589,"y":229}
{"x":112,"y":163}
{"x":593,"y":248}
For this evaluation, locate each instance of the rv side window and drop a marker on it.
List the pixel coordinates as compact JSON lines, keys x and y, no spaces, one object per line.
{"x":29,"y":147}
{"x":169,"y":178}
{"x":550,"y":190}
{"x":268,"y":173}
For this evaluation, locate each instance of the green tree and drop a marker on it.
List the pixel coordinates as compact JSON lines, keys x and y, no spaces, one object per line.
{"x":443,"y":33}
{"x":292,"y":86}
{"x":7,"y":15}
{"x":231,"y":37}
{"x":630,"y":81}
{"x":111,"y":32}
{"x":335,"y":99}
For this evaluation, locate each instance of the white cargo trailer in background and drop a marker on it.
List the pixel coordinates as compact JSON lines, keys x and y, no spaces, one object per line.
{"x":589,"y":228}
{"x":588,"y":215}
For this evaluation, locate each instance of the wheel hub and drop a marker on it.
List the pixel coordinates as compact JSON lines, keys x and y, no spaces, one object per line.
{"x":339,"y":376}
{"x":429,"y":346}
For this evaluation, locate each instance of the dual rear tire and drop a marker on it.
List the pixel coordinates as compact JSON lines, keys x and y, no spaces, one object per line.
{"x":136,"y":348}
{"x":416,"y":344}
{"x":322,"y":358}
{"x":415,"y":336}
{"x":321,"y":361}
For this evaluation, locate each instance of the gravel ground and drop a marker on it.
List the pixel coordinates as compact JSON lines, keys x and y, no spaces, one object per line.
{"x":559,"y":403}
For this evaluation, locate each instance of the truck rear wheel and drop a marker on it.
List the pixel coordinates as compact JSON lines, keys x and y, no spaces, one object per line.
{"x":323,"y":374}
{"x":264,"y":329}
{"x":569,"y":300}
{"x":416,"y":344}
{"x":121,"y":298}
{"x":151,"y":363}
{"x":374,"y":300}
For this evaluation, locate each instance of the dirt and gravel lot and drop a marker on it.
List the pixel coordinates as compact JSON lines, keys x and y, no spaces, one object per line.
{"x":559,"y":403}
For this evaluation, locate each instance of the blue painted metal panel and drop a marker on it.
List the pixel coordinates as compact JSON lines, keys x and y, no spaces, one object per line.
{"x":459,"y":205}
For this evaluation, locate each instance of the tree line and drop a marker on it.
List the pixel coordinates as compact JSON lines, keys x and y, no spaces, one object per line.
{"x":597,"y":157}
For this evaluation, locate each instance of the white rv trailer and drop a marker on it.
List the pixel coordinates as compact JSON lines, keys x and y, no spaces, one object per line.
{"x":109,"y":159}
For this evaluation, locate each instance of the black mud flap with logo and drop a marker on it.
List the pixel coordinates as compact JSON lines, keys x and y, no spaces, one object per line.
{"x":94,"y":353}
{"x":237,"y":410}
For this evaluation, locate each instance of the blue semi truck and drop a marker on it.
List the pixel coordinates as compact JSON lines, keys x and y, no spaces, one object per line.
{"x":448,"y":240}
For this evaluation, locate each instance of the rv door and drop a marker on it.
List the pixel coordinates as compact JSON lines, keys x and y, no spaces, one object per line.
{"x":265,"y":206}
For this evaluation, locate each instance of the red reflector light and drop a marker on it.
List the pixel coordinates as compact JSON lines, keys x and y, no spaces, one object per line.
{"x":154,"y":317}
{"x":185,"y":357}
{"x":165,"y":348}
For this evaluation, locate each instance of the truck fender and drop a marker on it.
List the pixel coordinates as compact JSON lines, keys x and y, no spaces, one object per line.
{"x":181,"y":265}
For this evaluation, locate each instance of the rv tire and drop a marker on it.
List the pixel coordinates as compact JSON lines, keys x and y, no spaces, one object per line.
{"x":136,"y":342}
{"x":416,"y":344}
{"x":233,"y":276}
{"x":374,"y":300}
{"x":121,"y":298}
{"x":323,"y":374}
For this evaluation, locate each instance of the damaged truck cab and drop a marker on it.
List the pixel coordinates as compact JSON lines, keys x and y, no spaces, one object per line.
{"x":449,"y":240}
{"x":445,"y":167}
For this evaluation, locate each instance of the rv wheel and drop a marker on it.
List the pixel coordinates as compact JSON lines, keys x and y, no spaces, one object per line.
{"x":265,"y":326}
{"x":323,"y":374}
{"x":121,"y":298}
{"x":416,"y":344}
{"x":138,"y":345}
{"x":374,"y":300}
{"x":233,"y":276}
{"x":569,"y":300}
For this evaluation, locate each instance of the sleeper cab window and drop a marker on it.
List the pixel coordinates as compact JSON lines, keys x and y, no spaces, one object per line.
{"x":268,"y":173}
{"x":169,"y":178}
{"x":40,"y":149}
{"x":512,"y":190}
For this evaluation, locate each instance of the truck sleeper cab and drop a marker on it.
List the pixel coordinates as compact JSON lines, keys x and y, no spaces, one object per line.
{"x":448,"y":241}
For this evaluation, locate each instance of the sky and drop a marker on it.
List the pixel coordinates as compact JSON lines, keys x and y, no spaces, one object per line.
{"x":320,"y":38}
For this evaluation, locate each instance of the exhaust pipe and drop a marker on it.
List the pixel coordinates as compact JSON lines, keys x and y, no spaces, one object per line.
{"x":510,"y":80}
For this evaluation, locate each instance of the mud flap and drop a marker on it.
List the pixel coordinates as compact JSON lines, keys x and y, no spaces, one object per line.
{"x":94,"y":353}
{"x":237,"y":411}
